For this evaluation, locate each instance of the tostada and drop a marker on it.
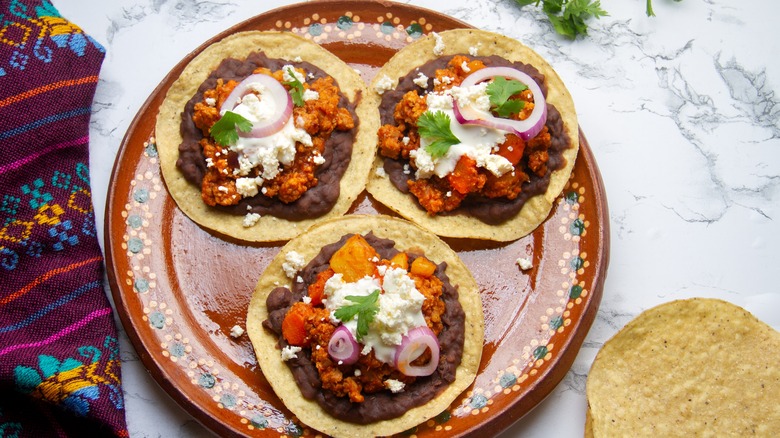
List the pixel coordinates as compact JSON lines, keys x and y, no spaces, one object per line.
{"x":478,"y":135}
{"x":263,"y":134}
{"x":366,"y":326}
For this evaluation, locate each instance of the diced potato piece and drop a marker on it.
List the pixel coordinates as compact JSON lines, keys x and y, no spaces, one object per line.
{"x":423,"y":267}
{"x":400,"y":260}
{"x":355,"y":260}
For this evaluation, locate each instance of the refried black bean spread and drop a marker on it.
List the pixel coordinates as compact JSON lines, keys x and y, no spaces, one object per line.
{"x":488,"y":210}
{"x":317,"y":200}
{"x":381,"y":405}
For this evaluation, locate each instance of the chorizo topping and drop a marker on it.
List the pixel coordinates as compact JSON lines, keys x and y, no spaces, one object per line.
{"x":478,"y":133}
{"x":257,"y":143}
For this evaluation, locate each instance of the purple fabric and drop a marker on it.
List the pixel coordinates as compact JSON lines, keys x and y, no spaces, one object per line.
{"x":59,"y":356}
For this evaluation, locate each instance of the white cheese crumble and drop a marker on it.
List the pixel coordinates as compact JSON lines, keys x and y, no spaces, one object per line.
{"x":210,"y":101}
{"x":297,"y":59}
{"x":380,"y":172}
{"x":405,"y":140}
{"x":293,"y":263}
{"x":524,"y":263}
{"x":306,"y":299}
{"x":421,"y":80}
{"x":310,"y":95}
{"x":444,"y":80}
{"x":474,"y":50}
{"x":318,"y":159}
{"x":236,"y":331}
{"x":248,"y":187}
{"x":290,"y":352}
{"x":394,"y":386}
{"x":438,"y":48}
{"x":287,"y":77}
{"x":250,"y":220}
{"x":465,"y":67}
{"x":384,"y":83}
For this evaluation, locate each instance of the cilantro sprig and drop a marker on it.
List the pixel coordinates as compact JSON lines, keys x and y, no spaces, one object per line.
{"x":296,"y":88}
{"x":500,"y":90}
{"x":435,"y":126}
{"x":568,"y":16}
{"x":225,"y":131}
{"x":365,"y":308}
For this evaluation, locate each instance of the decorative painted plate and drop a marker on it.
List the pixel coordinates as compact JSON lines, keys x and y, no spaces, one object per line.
{"x":180,"y":290}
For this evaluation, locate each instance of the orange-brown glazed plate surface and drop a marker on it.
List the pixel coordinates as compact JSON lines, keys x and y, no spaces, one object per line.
{"x":179,"y":290}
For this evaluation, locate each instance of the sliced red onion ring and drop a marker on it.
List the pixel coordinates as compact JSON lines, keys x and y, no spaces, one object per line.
{"x":273,"y":90}
{"x":343,"y":347}
{"x":413,"y":345}
{"x":525,"y":129}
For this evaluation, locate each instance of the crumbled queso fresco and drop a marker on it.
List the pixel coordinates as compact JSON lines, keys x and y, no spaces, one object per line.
{"x":421,"y":80}
{"x":290,"y":352}
{"x":250,"y":220}
{"x":438,"y":49}
{"x":293,"y":263}
{"x":394,"y":385}
{"x":474,"y":50}
{"x":236,"y":331}
{"x":524,"y":263}
{"x":383,"y":84}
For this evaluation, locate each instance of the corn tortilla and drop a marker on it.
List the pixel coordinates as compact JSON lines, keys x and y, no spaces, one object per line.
{"x":697,"y":367}
{"x":536,"y":209}
{"x":406,"y":236}
{"x":279,"y":45}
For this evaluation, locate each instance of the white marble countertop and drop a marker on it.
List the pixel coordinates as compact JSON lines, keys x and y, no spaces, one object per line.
{"x":680,"y":111}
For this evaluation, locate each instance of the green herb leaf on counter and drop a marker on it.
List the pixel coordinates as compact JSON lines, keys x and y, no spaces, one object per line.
{"x":568,"y":16}
{"x":500,"y":90}
{"x":296,"y":88}
{"x":225,"y":131}
{"x":436,"y":127}
{"x":365,"y":308}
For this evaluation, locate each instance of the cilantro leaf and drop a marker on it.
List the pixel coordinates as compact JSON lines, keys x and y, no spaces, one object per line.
{"x":500,"y":90}
{"x":225,"y":130}
{"x":296,"y":88}
{"x":436,"y":127}
{"x":365,"y":308}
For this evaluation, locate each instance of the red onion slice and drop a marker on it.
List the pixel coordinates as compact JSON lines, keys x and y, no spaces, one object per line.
{"x":525,"y":129}
{"x":413,"y":345}
{"x":343,"y":347}
{"x":274,"y":91}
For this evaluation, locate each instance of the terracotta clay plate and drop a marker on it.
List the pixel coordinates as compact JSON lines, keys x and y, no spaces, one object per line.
{"x":179,"y":290}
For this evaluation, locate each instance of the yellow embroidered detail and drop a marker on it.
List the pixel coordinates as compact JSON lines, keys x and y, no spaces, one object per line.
{"x":43,"y":216}
{"x":17,"y":231}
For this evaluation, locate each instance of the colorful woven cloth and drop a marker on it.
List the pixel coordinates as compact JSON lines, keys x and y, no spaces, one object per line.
{"x":59,"y":364}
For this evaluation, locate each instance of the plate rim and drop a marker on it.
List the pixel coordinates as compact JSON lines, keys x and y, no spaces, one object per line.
{"x":500,"y":419}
